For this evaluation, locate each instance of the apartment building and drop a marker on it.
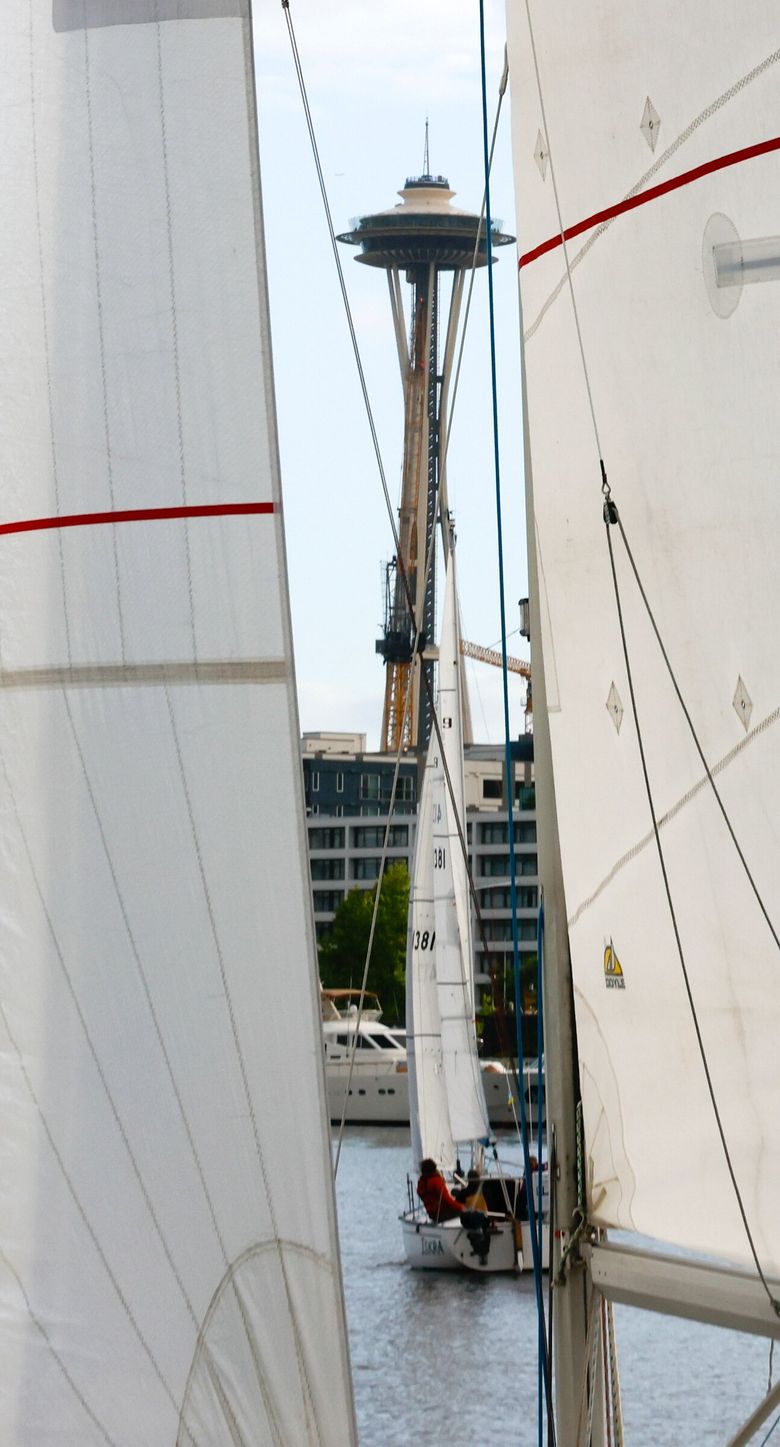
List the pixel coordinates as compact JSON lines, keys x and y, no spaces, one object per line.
{"x":347,"y":792}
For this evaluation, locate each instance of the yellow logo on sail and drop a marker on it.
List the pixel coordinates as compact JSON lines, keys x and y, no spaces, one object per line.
{"x":613,"y":970}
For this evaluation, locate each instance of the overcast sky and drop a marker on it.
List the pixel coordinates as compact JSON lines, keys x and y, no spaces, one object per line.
{"x":373,"y":72}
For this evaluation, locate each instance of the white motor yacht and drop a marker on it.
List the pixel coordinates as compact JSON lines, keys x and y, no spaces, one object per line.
{"x":378,"y":1092}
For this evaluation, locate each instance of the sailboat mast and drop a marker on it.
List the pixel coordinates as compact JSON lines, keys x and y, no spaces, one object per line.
{"x":574,"y":1291}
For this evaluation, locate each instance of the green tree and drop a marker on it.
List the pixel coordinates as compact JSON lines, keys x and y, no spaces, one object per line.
{"x":343,"y":951}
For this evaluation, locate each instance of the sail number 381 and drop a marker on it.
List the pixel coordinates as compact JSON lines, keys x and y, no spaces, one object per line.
{"x":424,"y":939}
{"x":439,"y":858}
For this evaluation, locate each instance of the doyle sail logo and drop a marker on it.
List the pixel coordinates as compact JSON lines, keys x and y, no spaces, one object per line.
{"x":614,"y":978}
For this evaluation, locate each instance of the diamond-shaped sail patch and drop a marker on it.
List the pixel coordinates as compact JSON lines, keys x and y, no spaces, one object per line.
{"x":615,"y":707}
{"x":541,"y":155}
{"x":651,"y":124}
{"x":743,"y":704}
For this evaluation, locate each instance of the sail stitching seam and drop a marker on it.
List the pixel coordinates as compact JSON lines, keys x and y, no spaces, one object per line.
{"x":171,"y":1076}
{"x":55,"y":472}
{"x":101,"y":1074}
{"x":117,"y":675}
{"x":100,"y":320}
{"x":307,"y":1394}
{"x":174,"y":317}
{"x":176,"y":1092}
{"x":671,"y":813}
{"x":145,"y":986}
{"x":653,"y":170}
{"x":80,"y":1208}
{"x":611,"y":518}
{"x":561,"y":228}
{"x":40,"y":1326}
{"x":296,"y":1248}
{"x":637,"y":199}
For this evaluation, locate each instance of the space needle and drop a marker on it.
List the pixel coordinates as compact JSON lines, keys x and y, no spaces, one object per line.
{"x":422,"y":237}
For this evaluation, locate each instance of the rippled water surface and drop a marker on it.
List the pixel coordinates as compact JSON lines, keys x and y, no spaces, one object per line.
{"x":450,"y":1361}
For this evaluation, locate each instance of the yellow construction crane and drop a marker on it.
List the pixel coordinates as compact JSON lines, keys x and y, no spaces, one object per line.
{"x":514,"y":665}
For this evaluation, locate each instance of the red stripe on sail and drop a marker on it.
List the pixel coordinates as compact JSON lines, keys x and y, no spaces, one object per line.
{"x":137,"y":515}
{"x":734,"y":158}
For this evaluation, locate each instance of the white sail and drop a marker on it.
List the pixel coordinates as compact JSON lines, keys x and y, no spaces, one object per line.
{"x":447,"y":1101}
{"x":169,"y":1268}
{"x":428,"y":1105}
{"x":657,"y":127}
{"x":452,"y":902}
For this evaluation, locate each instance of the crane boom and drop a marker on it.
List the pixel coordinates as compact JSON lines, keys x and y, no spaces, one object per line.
{"x":491,"y":655}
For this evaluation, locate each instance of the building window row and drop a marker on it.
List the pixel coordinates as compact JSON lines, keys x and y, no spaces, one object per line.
{"x":365,"y":868}
{"x":373,"y":837}
{"x":380,"y":786}
{"x":499,"y":896}
{"x":327,"y":869}
{"x":327,"y":901}
{"x":494,"y":866}
{"x":326,"y":838}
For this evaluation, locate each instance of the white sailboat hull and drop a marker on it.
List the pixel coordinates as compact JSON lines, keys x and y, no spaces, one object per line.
{"x":448,"y":1246}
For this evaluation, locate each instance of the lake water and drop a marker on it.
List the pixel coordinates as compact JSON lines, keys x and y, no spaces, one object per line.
{"x":449,"y":1360}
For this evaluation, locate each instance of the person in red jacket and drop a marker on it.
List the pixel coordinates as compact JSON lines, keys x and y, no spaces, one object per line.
{"x":433,"y":1192}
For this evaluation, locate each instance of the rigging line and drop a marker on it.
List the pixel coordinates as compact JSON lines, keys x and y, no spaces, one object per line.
{"x":552,"y":1166}
{"x":610,"y":517}
{"x":653,"y":170}
{"x":361,"y":374}
{"x":694,"y":735}
{"x":770,"y":1433}
{"x":615,"y":1408}
{"x":586,"y":1380}
{"x":562,"y":231}
{"x":539,"y":1134}
{"x":507,"y":741}
{"x":473,"y":269}
{"x":369,"y":412}
{"x":600,"y":219}
{"x":605,"y":1371}
{"x":416,"y":663}
{"x":375,"y":909}
{"x":342,"y":284}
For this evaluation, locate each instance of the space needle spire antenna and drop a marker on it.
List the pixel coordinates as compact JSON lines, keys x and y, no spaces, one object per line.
{"x":423,"y":239}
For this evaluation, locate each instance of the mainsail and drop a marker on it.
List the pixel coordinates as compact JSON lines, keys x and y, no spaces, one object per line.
{"x":452,"y":902}
{"x":447,"y":1099}
{"x":169,"y":1268}
{"x":651,"y":344}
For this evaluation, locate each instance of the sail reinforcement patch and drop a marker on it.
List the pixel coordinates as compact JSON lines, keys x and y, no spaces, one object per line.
{"x":89,"y":14}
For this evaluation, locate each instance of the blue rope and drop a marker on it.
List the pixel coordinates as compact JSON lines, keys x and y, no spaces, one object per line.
{"x":540,"y":1112}
{"x":544,"y":1370}
{"x":770,"y":1433}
